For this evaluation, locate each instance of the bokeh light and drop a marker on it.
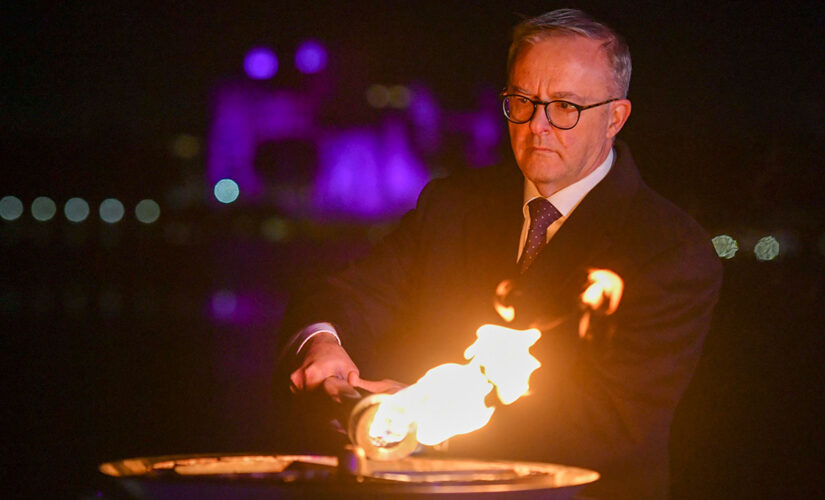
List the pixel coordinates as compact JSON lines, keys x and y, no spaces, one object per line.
{"x":311,"y":57}
{"x":224,"y":303}
{"x":186,"y":146}
{"x":399,"y":96}
{"x":43,"y":208}
{"x":226,"y":191}
{"x":11,"y":208}
{"x":725,"y":246}
{"x":111,"y":210}
{"x":275,"y":229}
{"x":378,"y":96}
{"x":260,"y":63}
{"x":766,"y":248}
{"x":147,"y":211}
{"x":76,"y":209}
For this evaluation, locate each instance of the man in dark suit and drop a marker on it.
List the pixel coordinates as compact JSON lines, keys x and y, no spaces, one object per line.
{"x":574,"y":203}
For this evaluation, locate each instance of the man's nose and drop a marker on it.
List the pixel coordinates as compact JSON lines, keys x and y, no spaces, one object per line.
{"x":539,"y":124}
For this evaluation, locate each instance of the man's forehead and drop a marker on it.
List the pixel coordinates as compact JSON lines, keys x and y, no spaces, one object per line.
{"x":562,"y":58}
{"x":563,"y":45}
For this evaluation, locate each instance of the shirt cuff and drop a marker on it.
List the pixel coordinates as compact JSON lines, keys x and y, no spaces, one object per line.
{"x":302,"y":337}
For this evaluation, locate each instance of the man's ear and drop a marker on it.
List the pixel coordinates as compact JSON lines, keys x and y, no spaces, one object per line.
{"x":619,"y":113}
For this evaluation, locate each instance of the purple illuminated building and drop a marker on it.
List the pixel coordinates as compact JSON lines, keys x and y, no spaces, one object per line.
{"x":368,"y":172}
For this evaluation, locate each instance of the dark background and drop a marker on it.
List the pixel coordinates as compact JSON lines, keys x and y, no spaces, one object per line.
{"x":108,"y":347}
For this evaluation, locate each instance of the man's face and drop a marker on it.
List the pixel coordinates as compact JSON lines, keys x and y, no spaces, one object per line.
{"x":575,"y":69}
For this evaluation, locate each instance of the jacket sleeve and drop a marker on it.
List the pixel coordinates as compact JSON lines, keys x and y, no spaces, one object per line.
{"x":364,"y":300}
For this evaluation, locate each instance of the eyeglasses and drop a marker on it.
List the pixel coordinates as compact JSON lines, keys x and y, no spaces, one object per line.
{"x":561,"y":114}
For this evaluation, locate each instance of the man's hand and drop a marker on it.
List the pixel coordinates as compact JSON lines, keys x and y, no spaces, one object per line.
{"x":386,"y":385}
{"x":324,"y":363}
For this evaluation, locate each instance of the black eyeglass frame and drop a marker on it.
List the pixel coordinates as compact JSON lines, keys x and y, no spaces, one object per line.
{"x":535,"y":103}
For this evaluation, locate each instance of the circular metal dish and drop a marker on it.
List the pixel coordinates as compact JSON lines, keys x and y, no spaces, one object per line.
{"x":296,"y":476}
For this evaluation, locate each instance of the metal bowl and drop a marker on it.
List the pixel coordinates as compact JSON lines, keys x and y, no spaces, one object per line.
{"x":319,"y":476}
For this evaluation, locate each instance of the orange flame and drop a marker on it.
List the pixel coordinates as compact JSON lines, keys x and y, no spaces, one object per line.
{"x":504,"y":355}
{"x":450,"y":399}
{"x":603,"y":285}
{"x":506,"y":312}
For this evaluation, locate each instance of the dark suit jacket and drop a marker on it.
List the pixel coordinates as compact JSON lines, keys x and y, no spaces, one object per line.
{"x":418,"y":298}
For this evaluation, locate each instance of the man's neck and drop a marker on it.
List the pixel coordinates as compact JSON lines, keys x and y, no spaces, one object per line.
{"x":546,"y":190}
{"x":567,"y":198}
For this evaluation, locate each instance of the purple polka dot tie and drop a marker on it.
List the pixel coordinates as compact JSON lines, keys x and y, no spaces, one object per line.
{"x":542,"y":214}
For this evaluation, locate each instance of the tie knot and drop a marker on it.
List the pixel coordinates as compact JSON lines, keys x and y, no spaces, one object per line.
{"x":542,"y":212}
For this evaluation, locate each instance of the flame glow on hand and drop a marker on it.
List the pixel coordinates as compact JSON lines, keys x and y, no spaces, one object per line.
{"x":450,"y":399}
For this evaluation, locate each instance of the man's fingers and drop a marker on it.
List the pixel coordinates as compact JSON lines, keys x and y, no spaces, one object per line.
{"x":353,"y":378}
{"x":337,"y":388}
{"x":386,"y":385}
{"x":296,"y":381}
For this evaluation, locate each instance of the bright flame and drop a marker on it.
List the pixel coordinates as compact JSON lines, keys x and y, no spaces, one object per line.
{"x":603,"y":284}
{"x":504,"y":354}
{"x":450,"y":399}
{"x":506,"y":312}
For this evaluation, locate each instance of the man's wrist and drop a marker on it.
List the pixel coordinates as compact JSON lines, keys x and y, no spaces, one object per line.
{"x":324,"y":334}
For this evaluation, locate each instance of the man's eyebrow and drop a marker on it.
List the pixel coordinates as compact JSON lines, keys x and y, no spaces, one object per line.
{"x":554,"y":95}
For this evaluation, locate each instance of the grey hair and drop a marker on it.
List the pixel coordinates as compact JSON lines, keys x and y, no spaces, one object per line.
{"x":575,"y":22}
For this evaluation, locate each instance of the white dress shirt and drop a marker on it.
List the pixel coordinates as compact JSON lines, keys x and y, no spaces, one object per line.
{"x":565,"y":200}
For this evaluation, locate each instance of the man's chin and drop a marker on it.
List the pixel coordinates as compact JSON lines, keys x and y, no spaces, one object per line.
{"x":542,"y":173}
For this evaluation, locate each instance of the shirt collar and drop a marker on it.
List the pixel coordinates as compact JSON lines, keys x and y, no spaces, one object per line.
{"x":565,"y":200}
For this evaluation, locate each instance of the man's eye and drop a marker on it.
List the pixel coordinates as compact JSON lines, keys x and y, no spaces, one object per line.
{"x":522,"y":100}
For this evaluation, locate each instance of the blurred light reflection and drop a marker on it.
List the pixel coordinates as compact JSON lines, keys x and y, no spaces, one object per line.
{"x":76,"y":209}
{"x":11,"y":208}
{"x":111,"y":210}
{"x":766,"y":248}
{"x":226,"y":191}
{"x":186,"y":146}
{"x":311,"y":57}
{"x":43,"y":208}
{"x":224,"y":303}
{"x":725,"y":246}
{"x":378,"y":96}
{"x":275,"y":229}
{"x":260,"y":63}
{"x":147,"y":211}
{"x":399,"y":96}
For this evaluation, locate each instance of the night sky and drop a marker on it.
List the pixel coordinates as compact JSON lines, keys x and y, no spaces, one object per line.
{"x":727,"y":121}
